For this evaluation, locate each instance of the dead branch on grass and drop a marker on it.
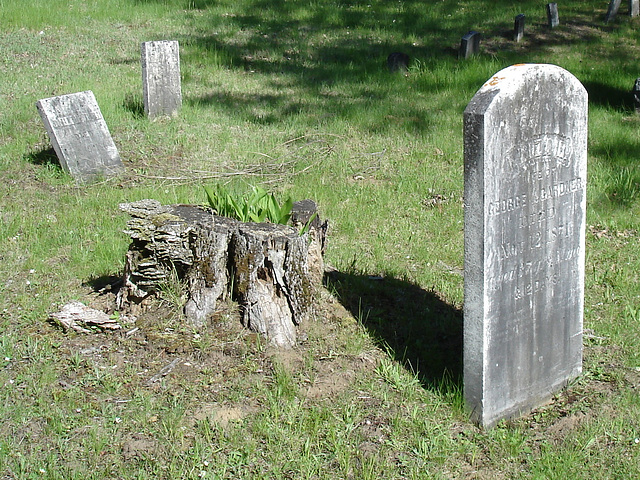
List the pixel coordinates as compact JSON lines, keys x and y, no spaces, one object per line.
{"x":275,"y":170}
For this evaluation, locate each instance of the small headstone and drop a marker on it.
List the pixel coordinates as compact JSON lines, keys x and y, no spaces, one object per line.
{"x":552,"y":15}
{"x":398,"y":61}
{"x":612,"y":11}
{"x":470,"y":45}
{"x":525,"y":158}
{"x":634,"y":8}
{"x":80,"y":136}
{"x":518,"y":28}
{"x":636,"y":95}
{"x":162,"y":94}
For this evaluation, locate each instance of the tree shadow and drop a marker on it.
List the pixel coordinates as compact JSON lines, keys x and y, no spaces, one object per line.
{"x":609,"y":96}
{"x":321,"y":57}
{"x":421,"y":331}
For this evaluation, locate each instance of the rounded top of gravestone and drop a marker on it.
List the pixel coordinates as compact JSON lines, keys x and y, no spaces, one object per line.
{"x":537,"y":79}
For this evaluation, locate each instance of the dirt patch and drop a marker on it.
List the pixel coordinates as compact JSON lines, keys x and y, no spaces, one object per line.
{"x":160,"y":351}
{"x":559,"y":430}
{"x":139,"y":447}
{"x":222,"y":415}
{"x":330,"y":381}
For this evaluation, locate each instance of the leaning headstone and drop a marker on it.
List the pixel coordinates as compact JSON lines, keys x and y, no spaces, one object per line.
{"x":636,"y":95}
{"x":552,"y":15}
{"x":518,"y":27}
{"x":634,"y":8}
{"x":525,"y":154}
{"x":469,"y":45}
{"x":612,"y":11}
{"x":80,"y":136}
{"x":162,"y":94}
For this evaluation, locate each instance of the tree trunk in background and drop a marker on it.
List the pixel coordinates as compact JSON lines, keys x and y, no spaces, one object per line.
{"x":273,"y":269}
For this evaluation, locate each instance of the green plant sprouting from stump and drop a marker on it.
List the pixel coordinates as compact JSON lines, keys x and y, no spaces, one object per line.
{"x":259,"y":206}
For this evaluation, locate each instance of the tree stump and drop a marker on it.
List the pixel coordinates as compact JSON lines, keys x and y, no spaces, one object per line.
{"x":274,"y":270}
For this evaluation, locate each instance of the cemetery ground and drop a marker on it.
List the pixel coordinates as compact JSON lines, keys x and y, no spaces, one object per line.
{"x":296,"y":97}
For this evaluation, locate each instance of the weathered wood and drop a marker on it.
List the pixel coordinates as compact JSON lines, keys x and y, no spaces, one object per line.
{"x":77,"y":316}
{"x":305,"y":212}
{"x":274,"y":269}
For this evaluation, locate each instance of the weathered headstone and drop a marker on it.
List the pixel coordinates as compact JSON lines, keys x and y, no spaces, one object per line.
{"x":469,"y":45}
{"x":518,"y":27}
{"x":636,"y":95}
{"x":162,"y":93}
{"x":552,"y":15}
{"x":80,"y":136}
{"x":634,"y":8}
{"x":525,"y":153}
{"x":612,"y":11}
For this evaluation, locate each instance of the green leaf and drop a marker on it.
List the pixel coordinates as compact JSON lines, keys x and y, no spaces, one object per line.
{"x":307,"y":225}
{"x":211,"y":197}
{"x":285,"y":211}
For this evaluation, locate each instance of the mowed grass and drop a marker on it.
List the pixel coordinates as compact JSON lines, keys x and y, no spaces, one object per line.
{"x":295,"y":96}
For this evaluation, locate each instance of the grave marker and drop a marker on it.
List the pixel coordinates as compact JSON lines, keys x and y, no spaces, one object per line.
{"x":634,"y":8}
{"x":162,"y":94}
{"x":398,"y":62}
{"x":80,"y":136}
{"x":469,"y":45}
{"x":525,"y":142}
{"x":612,"y":11}
{"x":635,"y":92}
{"x":552,"y":15}
{"x":518,"y":28}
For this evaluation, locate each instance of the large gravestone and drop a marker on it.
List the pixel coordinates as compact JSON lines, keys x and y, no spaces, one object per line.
{"x":80,"y":136}
{"x":525,"y":142}
{"x":634,"y":8}
{"x":161,"y":88}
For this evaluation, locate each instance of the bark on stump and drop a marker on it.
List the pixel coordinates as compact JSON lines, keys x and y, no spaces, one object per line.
{"x":273,"y":269}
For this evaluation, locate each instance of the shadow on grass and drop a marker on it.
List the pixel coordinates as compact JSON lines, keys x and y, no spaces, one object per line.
{"x":105,"y":283}
{"x":420,"y":330}
{"x":46,"y":157}
{"x":609,"y":96}
{"x":135,"y":105}
{"x":329,"y":59}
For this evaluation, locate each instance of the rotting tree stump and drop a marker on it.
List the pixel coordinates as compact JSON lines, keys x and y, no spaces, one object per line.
{"x":272,"y":270}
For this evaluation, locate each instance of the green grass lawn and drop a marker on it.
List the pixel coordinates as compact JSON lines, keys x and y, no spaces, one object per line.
{"x":295,"y":97}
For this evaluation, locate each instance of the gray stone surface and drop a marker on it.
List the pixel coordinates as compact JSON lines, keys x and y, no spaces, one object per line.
{"x":635,"y":92}
{"x":469,"y":45}
{"x":525,"y":154}
{"x":552,"y":15}
{"x":80,"y":136}
{"x":634,"y":8}
{"x":612,"y":11}
{"x":518,"y":27}
{"x":161,"y":88}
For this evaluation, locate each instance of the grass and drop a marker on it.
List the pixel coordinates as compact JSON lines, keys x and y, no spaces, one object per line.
{"x":294,"y":96}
